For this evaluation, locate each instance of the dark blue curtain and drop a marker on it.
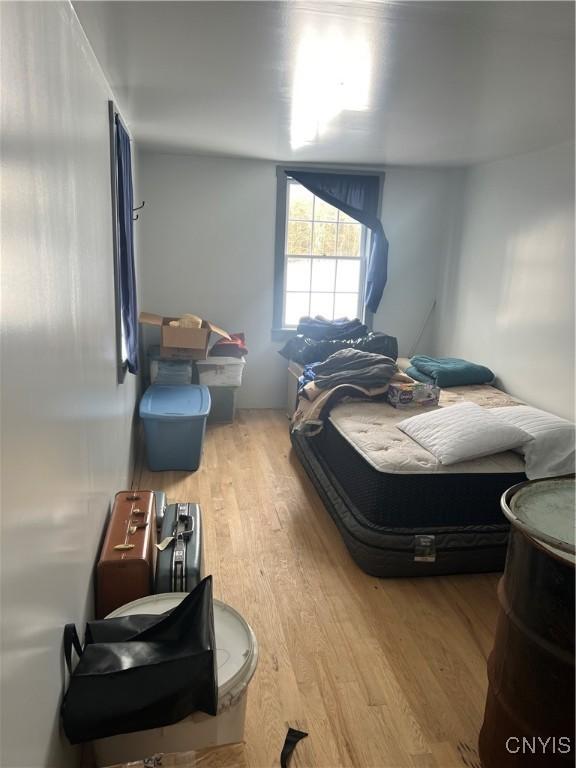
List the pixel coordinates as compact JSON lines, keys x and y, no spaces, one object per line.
{"x":126,"y":272}
{"x":358,"y":197}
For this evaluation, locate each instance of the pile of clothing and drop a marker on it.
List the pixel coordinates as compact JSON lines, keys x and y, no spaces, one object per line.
{"x":348,"y":366}
{"x":235,"y":346}
{"x":347,"y":374}
{"x":320,"y":329}
{"x":352,"y":373}
{"x":317,"y":338}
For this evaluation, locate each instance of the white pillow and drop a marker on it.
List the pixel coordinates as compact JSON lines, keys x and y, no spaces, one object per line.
{"x":552,"y":451}
{"x":462,"y":431}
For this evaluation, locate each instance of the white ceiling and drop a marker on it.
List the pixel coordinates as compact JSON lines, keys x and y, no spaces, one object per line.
{"x":356,"y":82}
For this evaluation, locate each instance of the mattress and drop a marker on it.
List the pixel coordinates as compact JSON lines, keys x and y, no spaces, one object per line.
{"x":399,"y":511}
{"x":370,"y":427}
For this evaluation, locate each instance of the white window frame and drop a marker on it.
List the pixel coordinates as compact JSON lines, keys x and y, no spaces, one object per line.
{"x":279,"y":330}
{"x":312,"y":256}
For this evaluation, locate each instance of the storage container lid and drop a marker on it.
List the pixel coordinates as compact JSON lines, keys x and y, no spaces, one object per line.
{"x":221,"y":360}
{"x":153,"y":352}
{"x":236,"y":645}
{"x":544,"y":509}
{"x":169,"y":402}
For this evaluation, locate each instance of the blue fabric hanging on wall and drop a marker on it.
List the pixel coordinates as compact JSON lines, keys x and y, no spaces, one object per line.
{"x":358,"y":197}
{"x":126,"y":270}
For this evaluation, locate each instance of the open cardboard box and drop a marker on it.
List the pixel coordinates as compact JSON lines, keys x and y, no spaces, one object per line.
{"x":183,"y":343}
{"x":229,"y":756}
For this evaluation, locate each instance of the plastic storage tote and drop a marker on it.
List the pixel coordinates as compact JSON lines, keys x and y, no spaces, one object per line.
{"x":223,"y":407}
{"x":221,"y":371}
{"x":163,"y":371}
{"x":174,"y":418}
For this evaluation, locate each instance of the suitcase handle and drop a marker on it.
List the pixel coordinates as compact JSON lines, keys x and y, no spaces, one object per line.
{"x":175,"y":537}
{"x":183,"y":517}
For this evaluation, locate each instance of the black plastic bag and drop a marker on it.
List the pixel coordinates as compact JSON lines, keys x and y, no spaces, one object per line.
{"x":121,"y":628}
{"x":320,"y":329}
{"x":155,"y":677}
{"x":304,"y":350}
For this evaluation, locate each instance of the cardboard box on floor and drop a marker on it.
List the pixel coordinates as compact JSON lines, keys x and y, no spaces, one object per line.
{"x":230,"y":756}
{"x":183,"y":343}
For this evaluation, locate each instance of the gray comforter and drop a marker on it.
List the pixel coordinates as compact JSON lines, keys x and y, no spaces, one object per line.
{"x":352,"y":366}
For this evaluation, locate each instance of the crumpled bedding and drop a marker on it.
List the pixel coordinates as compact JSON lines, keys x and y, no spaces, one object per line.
{"x":352,"y":366}
{"x":312,"y":410}
{"x":370,"y":427}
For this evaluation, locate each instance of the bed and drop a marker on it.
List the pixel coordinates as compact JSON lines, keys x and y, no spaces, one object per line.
{"x":399,"y":511}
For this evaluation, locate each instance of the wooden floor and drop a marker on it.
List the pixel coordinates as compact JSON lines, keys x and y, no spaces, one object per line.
{"x":381,"y":673}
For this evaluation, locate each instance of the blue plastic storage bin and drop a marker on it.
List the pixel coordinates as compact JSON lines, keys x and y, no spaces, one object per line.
{"x":162,"y":371}
{"x":174,"y":418}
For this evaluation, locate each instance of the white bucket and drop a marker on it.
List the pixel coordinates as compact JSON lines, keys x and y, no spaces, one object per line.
{"x":237,"y":657}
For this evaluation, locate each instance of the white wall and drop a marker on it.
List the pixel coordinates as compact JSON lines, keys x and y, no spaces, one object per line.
{"x":508,"y":287}
{"x":208,"y":248}
{"x":66,"y":424}
{"x":419,"y":208}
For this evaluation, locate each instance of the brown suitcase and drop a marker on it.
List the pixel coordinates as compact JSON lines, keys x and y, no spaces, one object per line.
{"x":127,"y":563}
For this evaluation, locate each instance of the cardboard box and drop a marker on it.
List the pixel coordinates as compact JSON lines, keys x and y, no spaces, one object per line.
{"x":295,"y":370}
{"x":404,"y":395}
{"x":183,"y":343}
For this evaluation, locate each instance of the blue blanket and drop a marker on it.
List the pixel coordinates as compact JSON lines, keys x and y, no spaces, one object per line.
{"x":448,"y":371}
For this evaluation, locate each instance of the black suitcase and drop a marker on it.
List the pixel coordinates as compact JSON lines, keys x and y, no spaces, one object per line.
{"x":179,"y":565}
{"x":160,"y":498}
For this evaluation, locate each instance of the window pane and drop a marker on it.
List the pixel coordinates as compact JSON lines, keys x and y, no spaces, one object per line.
{"x":324,"y":239}
{"x":344,"y":217}
{"x":299,"y":238}
{"x":346,"y":305}
{"x":348,"y":275}
{"x":300,"y":202}
{"x":298,"y":275}
{"x":324,"y":211}
{"x":323,"y":274}
{"x":322,"y":304}
{"x":349,"y":240}
{"x":297,"y":306}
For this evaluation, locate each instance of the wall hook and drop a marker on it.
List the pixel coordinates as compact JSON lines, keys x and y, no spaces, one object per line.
{"x":138,"y":208}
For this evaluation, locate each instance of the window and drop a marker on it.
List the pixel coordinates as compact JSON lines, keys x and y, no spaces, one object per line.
{"x":331,"y":248}
{"x":323,"y":259}
{"x":124,"y":270}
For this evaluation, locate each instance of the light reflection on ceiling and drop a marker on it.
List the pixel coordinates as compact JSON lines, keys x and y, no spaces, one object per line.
{"x":332,"y":74}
